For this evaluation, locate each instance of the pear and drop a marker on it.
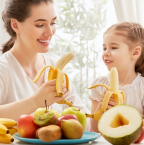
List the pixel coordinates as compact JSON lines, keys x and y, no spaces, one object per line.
{"x":44,"y":117}
{"x":71,"y":129}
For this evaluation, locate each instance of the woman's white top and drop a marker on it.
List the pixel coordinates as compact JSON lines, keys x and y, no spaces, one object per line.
{"x":134,"y":92}
{"x":15,"y":85}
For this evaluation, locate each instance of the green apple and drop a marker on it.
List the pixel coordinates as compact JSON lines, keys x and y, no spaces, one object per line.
{"x":78,"y":113}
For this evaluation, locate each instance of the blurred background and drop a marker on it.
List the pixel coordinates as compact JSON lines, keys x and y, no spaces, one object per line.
{"x":80,"y":28}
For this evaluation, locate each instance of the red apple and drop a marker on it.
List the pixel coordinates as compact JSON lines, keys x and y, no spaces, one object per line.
{"x":26,"y":126}
{"x":66,"y":117}
{"x":141,"y":137}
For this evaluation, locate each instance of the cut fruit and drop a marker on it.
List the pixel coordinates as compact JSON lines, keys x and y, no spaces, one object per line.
{"x":121,"y":125}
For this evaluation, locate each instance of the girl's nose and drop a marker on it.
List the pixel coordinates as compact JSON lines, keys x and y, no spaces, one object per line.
{"x":107,"y":52}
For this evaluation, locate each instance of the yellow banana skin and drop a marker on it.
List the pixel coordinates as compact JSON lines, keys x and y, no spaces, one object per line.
{"x":12,"y":131}
{"x":3,"y":129}
{"x":111,"y":92}
{"x":6,"y":138}
{"x":56,"y":73}
{"x":8,"y":122}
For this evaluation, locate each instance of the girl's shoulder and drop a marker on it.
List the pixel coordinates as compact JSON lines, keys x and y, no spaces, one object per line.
{"x":101,"y":80}
{"x":97,"y":92}
{"x":138,"y":81}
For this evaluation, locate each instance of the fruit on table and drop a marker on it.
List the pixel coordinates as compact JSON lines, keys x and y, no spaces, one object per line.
{"x":78,"y":113}
{"x":111,"y":92}
{"x":121,"y":125}
{"x":3,"y":129}
{"x":49,"y":133}
{"x":56,"y":73}
{"x":71,"y":129}
{"x":54,"y":111}
{"x":43,"y":117}
{"x":141,"y":137}
{"x":8,"y":122}
{"x":66,"y":117}
{"x":12,"y":131}
{"x":26,"y":126}
{"x":6,"y":138}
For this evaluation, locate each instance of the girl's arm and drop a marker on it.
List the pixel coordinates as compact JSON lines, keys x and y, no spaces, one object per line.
{"x":96,"y":105}
{"x":27,"y":106}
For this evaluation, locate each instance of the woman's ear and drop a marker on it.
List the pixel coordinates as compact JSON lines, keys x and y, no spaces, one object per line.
{"x":136,"y":52}
{"x":14,"y":25}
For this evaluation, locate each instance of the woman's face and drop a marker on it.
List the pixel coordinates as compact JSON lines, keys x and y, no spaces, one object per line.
{"x":36,"y":31}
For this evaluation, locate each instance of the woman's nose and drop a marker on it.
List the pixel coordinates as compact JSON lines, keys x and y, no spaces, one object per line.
{"x":48,"y":32}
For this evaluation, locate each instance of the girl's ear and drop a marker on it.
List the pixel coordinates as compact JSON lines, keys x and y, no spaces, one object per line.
{"x":136,"y":52}
{"x":14,"y":25}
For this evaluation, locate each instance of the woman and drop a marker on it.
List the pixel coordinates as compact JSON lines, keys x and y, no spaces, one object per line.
{"x":31,"y":25}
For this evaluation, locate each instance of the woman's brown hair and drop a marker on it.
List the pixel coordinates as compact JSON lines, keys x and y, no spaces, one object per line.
{"x":19,"y":10}
{"x":134,"y":33}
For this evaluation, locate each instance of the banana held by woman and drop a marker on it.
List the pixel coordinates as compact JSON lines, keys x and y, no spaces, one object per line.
{"x":57,"y":73}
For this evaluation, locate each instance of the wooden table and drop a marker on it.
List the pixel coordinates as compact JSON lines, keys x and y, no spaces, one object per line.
{"x":99,"y":141}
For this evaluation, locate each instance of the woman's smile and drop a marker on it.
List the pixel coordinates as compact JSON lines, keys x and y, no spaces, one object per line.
{"x":44,"y":42}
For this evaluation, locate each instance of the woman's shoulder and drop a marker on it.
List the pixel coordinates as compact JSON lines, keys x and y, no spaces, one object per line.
{"x":5,"y":60}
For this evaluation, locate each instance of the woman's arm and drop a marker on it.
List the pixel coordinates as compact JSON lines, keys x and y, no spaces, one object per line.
{"x":26,"y":106}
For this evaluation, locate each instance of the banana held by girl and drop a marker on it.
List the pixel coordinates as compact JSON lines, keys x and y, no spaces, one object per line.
{"x":111,"y":92}
{"x":56,"y":73}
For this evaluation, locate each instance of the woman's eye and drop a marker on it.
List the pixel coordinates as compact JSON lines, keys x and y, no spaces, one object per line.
{"x":39,"y":26}
{"x":53,"y":24}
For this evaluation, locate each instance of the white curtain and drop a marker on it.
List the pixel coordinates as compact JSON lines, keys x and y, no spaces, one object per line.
{"x":130,"y":10}
{"x":4,"y":37}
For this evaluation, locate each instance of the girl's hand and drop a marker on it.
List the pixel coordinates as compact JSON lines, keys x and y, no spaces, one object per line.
{"x":47,"y":91}
{"x":111,"y":103}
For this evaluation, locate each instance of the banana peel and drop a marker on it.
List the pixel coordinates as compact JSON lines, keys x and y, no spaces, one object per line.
{"x":113,"y":91}
{"x":57,"y":73}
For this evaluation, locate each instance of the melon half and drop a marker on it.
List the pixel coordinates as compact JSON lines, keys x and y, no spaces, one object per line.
{"x":121,"y":125}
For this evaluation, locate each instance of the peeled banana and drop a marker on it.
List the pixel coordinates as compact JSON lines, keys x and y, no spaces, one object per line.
{"x":111,"y":92}
{"x":56,"y":73}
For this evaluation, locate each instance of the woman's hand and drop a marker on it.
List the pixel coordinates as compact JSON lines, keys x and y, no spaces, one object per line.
{"x":111,"y":103}
{"x":47,"y":91}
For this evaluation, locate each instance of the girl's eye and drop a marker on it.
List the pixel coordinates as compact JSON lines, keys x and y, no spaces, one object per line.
{"x":39,"y":26}
{"x":114,"y":48}
{"x":104,"y":49}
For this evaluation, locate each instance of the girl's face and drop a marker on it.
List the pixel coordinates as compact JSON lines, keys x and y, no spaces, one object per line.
{"x":116,"y":52}
{"x":36,"y":31}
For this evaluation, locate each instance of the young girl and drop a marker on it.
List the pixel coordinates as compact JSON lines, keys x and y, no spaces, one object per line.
{"x":123,"y":48}
{"x":31,"y":25}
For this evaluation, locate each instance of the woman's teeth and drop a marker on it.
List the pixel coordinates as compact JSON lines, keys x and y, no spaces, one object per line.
{"x":44,"y":41}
